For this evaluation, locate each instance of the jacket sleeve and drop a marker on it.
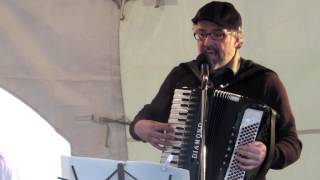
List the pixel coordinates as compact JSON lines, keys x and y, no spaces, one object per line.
{"x":159,"y":108}
{"x":288,"y":146}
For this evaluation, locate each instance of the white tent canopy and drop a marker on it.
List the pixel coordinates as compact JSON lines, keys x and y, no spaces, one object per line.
{"x":29,"y":146}
{"x":62,"y":58}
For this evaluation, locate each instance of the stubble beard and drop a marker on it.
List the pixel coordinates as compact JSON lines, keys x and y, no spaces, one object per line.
{"x":215,"y":56}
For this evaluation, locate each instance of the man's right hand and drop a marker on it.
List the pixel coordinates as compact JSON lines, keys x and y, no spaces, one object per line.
{"x":156,"y":133}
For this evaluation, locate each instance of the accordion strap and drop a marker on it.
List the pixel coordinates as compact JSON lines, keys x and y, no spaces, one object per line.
{"x":193,"y":66}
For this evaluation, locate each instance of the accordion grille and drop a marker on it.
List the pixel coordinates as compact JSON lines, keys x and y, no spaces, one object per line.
{"x":247,"y":133}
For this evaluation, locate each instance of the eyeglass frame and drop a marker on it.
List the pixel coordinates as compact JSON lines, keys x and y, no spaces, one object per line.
{"x":205,"y":35}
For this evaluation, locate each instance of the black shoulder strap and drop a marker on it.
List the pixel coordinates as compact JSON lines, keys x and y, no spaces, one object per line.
{"x":248,"y":74}
{"x":193,"y":66}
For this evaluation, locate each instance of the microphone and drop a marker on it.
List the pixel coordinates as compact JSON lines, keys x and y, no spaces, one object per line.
{"x":205,"y":69}
{"x":203,"y":60}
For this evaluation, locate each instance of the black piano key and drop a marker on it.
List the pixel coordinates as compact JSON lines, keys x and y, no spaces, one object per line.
{"x":178,"y":133}
{"x":174,"y":162}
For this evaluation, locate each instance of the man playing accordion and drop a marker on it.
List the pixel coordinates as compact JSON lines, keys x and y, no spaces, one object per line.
{"x":217,"y":28}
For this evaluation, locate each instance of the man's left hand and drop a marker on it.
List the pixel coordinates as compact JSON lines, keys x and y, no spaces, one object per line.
{"x":251,"y":155}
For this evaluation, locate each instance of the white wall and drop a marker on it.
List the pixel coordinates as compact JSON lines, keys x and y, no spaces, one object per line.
{"x":282,"y":35}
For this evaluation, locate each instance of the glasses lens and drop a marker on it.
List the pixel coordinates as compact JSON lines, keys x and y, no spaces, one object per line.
{"x":217,"y":35}
{"x":199,"y":36}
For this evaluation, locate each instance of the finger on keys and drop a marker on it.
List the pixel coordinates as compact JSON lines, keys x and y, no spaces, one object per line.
{"x":163,"y":138}
{"x":164,"y":127}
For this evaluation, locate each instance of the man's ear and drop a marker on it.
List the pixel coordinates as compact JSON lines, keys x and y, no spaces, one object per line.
{"x":238,"y":40}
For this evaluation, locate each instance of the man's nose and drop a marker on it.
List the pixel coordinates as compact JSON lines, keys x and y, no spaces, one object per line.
{"x":208,"y":40}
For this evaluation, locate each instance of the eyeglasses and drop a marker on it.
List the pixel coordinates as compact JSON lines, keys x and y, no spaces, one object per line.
{"x":215,"y":35}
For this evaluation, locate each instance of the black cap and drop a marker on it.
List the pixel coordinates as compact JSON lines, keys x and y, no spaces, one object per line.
{"x":221,"y":13}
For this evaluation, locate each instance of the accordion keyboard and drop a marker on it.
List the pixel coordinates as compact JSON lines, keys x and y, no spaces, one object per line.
{"x":184,"y":106}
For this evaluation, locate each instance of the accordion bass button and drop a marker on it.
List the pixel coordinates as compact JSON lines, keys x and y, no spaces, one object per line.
{"x":228,"y":148}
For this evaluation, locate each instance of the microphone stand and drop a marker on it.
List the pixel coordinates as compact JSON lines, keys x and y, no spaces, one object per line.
{"x":203,"y":117}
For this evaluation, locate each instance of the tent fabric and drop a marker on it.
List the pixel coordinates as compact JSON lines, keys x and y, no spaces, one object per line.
{"x":7,"y":172}
{"x":62,"y":59}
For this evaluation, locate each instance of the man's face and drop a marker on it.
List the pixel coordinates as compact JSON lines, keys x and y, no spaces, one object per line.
{"x":217,"y":43}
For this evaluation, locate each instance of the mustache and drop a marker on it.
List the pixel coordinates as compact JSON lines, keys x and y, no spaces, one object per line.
{"x":212,"y":48}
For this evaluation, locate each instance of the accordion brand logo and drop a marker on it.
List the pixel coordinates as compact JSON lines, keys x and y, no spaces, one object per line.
{"x":197,"y":141}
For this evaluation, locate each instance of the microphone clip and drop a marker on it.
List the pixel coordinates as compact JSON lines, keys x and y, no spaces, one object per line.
{"x":205,"y":76}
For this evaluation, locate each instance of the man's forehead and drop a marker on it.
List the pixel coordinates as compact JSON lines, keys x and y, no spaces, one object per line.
{"x":207,"y":26}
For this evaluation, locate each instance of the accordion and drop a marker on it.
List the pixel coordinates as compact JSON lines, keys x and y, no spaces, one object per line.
{"x":232,"y":120}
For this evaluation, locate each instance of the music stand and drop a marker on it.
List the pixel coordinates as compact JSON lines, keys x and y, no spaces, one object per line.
{"x":84,"y":168}
{"x":120,"y":170}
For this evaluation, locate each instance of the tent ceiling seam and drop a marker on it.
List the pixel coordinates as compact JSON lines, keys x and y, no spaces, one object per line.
{"x":121,"y":5}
